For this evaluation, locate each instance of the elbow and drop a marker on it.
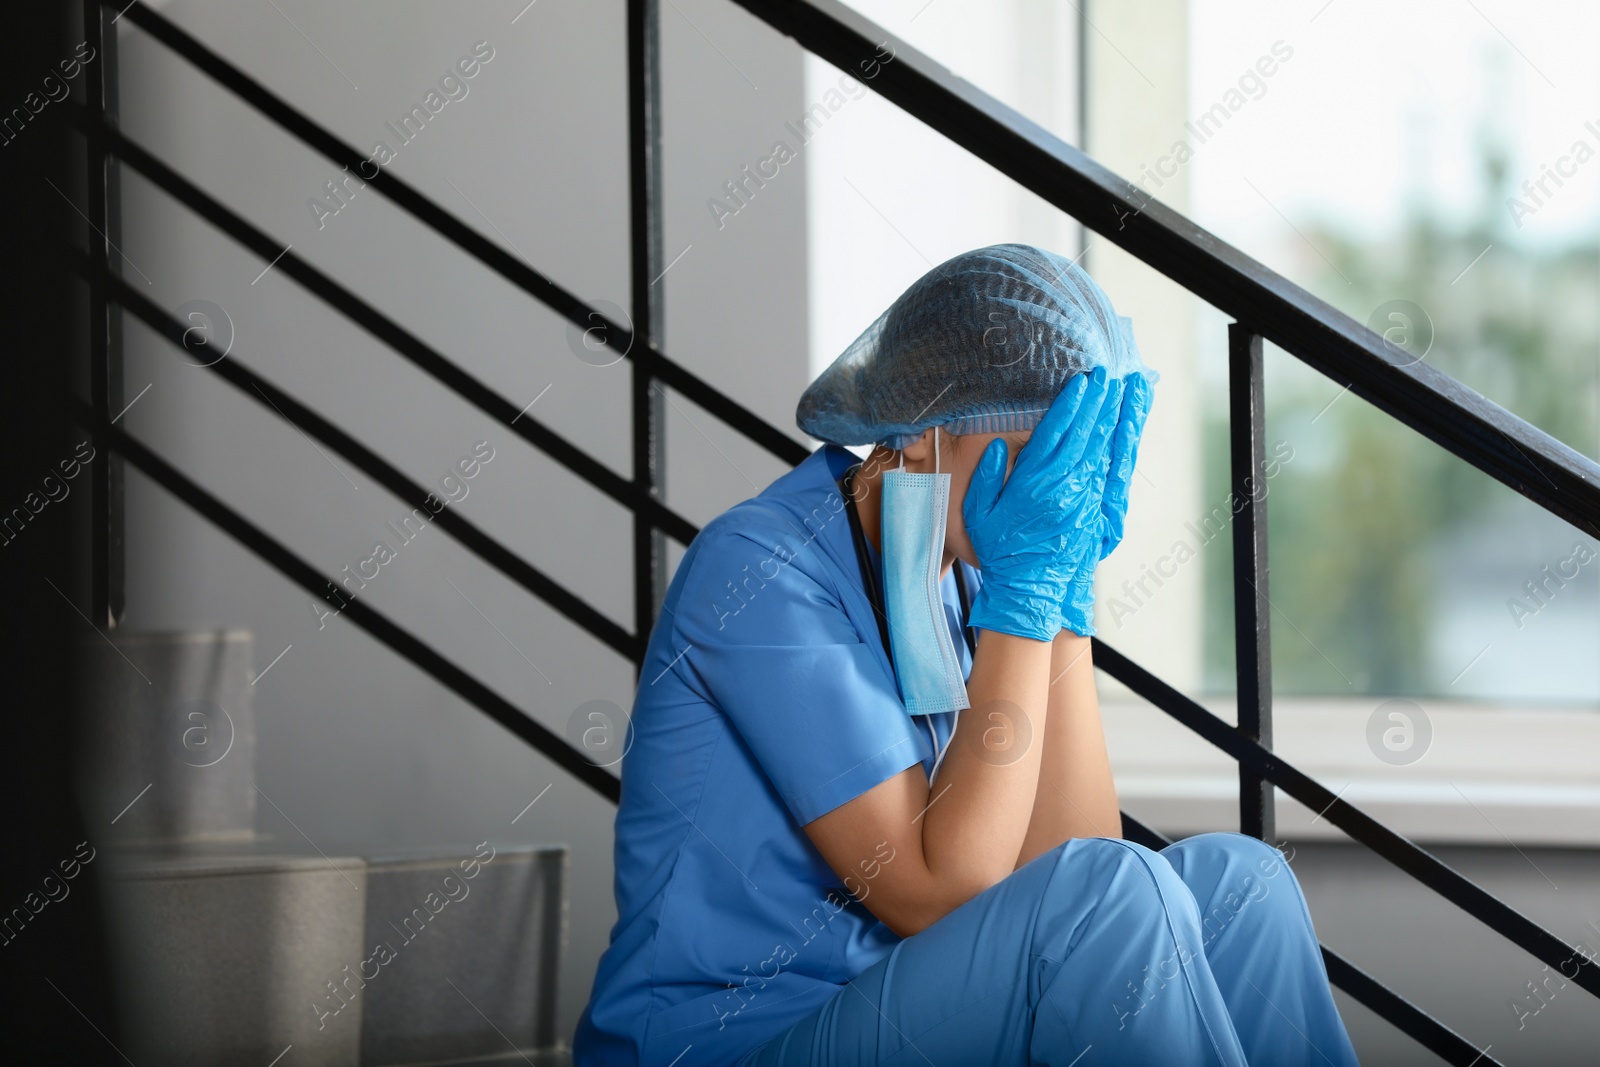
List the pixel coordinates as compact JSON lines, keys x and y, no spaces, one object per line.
{"x":905,"y":925}
{"x":912,"y":920}
{"x":906,"y":918}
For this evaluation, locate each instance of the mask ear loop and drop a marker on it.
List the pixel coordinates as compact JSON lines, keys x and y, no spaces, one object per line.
{"x":939,"y":759}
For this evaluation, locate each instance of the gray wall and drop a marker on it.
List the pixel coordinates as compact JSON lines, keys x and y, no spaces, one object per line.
{"x":1450,"y":965}
{"x":361,"y":751}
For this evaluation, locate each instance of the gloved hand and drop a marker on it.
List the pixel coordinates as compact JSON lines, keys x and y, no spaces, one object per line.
{"x":1136,"y":398}
{"x":1038,"y":531}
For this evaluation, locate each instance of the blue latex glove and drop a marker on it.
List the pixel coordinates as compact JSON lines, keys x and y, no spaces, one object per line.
{"x":1077,"y":611}
{"x":1136,"y":398}
{"x":1035,"y":531}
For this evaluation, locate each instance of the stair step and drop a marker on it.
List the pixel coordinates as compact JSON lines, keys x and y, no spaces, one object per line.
{"x":219,"y":959}
{"x":169,"y":740}
{"x":479,"y":975}
{"x":231,"y":953}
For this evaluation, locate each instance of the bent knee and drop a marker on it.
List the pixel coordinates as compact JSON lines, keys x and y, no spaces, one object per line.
{"x":1231,"y":873}
{"x":1110,"y":877}
{"x":1205,"y":856}
{"x":1104,"y":854}
{"x":1112,"y":897}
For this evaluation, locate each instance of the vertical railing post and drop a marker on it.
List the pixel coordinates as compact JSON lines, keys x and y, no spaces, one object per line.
{"x":648,"y":401}
{"x":1252,"y":620}
{"x":105,"y":320}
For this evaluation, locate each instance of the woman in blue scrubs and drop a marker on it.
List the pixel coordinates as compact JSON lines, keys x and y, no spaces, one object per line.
{"x":867,"y":816}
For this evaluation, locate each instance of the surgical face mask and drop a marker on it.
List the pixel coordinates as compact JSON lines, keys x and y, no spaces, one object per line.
{"x":915,"y":511}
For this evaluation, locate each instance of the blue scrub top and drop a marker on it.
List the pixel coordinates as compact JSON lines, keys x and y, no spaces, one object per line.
{"x":766,"y":701}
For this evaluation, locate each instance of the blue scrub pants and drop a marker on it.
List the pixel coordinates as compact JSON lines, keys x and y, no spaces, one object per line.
{"x":1097,"y":952}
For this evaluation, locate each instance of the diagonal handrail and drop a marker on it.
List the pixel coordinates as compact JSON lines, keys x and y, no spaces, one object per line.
{"x":1541,"y":468}
{"x":380,"y":626}
{"x":1416,"y":862}
{"x":511,"y":268}
{"x":308,"y":421}
{"x":391,"y":333}
{"x":1412,"y":1020}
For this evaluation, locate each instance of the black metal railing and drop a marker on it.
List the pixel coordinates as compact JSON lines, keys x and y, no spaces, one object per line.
{"x":1264,"y":305}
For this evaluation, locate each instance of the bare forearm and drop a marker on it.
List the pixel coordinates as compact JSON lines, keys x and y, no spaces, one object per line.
{"x":953,"y":840}
{"x":1075,"y":796}
{"x":980,"y":804}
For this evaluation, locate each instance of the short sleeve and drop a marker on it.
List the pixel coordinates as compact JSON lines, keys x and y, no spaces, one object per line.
{"x":775,"y":650}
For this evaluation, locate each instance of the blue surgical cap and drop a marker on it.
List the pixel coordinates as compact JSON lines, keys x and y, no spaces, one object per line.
{"x":980,"y":344}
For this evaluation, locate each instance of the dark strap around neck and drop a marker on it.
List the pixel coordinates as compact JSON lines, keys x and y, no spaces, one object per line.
{"x":869,"y":573}
{"x":966,"y":608}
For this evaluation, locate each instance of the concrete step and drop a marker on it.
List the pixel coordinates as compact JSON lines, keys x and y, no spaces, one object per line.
{"x":169,"y":738}
{"x":219,"y":959}
{"x":233,"y":953}
{"x":476,"y":936}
